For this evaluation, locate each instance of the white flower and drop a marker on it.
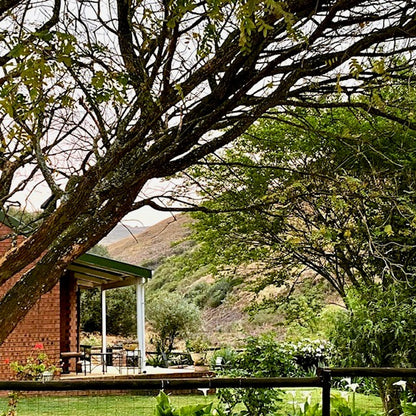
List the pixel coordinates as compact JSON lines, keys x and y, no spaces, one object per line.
{"x":354,"y":386}
{"x":292,"y":393}
{"x":204,"y":390}
{"x":307,"y":396}
{"x":344,"y":395}
{"x":401,"y":383}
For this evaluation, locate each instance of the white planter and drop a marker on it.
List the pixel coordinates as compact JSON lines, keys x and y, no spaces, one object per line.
{"x":198,"y":358}
{"x":46,"y":376}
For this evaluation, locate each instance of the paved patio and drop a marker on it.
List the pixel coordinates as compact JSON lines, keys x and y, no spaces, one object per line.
{"x":123,"y":372}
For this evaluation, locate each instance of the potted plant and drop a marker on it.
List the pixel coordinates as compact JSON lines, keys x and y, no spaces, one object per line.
{"x":198,"y":347}
{"x":38,"y":366}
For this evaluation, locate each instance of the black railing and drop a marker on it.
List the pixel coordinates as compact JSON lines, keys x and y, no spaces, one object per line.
{"x":323,"y":381}
{"x":327,"y":374}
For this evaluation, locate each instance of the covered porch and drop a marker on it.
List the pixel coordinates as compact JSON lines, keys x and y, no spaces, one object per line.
{"x":90,"y":271}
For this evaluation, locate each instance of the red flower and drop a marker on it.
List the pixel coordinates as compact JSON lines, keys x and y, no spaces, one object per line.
{"x":6,"y":361}
{"x":39,"y":346}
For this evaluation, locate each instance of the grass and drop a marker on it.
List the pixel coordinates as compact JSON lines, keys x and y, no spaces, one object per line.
{"x":120,"y":405}
{"x":133,"y":405}
{"x":362,"y":401}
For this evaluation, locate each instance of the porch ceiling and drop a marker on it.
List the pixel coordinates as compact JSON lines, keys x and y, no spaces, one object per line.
{"x":92,"y":271}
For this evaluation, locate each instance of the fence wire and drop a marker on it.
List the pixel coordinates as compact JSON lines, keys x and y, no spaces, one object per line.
{"x":42,"y":404}
{"x":137,"y":397}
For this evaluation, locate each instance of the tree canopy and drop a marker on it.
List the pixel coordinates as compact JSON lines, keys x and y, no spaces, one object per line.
{"x":332,"y":191}
{"x":98,"y":98}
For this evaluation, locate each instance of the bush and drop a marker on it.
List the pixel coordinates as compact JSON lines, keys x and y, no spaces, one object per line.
{"x":378,"y":330}
{"x":264,"y":356}
{"x":261,"y":357}
{"x":212,"y":295}
{"x":311,"y":354}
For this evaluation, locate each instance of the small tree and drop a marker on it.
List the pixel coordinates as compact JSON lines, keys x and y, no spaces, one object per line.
{"x":378,"y":330}
{"x":171,"y":316}
{"x":262,"y":357}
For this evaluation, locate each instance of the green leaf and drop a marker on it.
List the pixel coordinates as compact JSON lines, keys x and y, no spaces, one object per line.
{"x":388,"y":230}
{"x":98,"y":80}
{"x":65,"y":60}
{"x":18,"y":50}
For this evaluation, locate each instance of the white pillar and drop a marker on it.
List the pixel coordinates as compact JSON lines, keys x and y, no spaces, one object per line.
{"x":141,"y":322}
{"x":103,"y":322}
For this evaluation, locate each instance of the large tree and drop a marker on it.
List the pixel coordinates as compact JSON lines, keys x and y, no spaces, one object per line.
{"x":330,"y":191}
{"x":99,"y":97}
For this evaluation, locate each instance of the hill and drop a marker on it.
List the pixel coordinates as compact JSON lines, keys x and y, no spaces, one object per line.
{"x":223,"y":294}
{"x":119,"y":232}
{"x":153,"y":245}
{"x":165,"y":249}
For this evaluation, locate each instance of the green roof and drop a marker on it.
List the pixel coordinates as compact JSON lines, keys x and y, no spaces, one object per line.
{"x":95,"y":271}
{"x":14,"y":223}
{"x":91,"y":270}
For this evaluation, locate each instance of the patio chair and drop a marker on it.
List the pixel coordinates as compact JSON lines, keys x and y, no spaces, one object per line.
{"x":132,"y":356}
{"x":219,"y":363}
{"x":84,"y":363}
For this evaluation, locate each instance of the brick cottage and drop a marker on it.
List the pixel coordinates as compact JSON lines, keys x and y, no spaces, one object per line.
{"x":54,"y":321}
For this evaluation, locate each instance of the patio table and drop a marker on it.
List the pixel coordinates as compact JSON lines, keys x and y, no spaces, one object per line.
{"x":66,"y":357}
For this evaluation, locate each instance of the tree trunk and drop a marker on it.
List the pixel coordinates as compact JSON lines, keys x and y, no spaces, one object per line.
{"x":390,"y":396}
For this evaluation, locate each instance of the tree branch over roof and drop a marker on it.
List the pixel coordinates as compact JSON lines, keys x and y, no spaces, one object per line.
{"x":120,"y":93}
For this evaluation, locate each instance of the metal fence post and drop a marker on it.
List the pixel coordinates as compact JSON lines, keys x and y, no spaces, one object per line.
{"x":326,"y":392}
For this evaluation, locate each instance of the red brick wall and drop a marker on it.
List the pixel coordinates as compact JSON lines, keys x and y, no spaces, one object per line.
{"x":69,"y":315}
{"x":41,"y":325}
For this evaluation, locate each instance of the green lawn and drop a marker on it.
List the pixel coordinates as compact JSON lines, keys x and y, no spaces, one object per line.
{"x":124,"y":405}
{"x":130,"y":405}
{"x":362,"y":401}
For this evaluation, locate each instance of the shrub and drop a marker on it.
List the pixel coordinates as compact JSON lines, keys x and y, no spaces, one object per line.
{"x":261,"y":357}
{"x":311,"y":354}
{"x":378,"y":330}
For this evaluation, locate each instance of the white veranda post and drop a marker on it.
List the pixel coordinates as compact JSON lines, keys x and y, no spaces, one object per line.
{"x":140,"y":311}
{"x":103,"y":321}
{"x":141,"y":321}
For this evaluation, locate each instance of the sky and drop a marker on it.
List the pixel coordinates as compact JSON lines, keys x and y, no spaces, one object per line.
{"x":144,"y":217}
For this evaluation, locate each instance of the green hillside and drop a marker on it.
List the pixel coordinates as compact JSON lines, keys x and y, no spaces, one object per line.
{"x":227,"y":296}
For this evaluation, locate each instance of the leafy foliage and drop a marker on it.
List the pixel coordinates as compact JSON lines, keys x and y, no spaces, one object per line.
{"x":377,"y":330}
{"x":121,"y":311}
{"x":171,"y":316}
{"x":331,"y":192}
{"x":265,"y":357}
{"x":35,"y":366}
{"x":260,"y":358}
{"x":165,"y":408}
{"x":341,"y":407}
